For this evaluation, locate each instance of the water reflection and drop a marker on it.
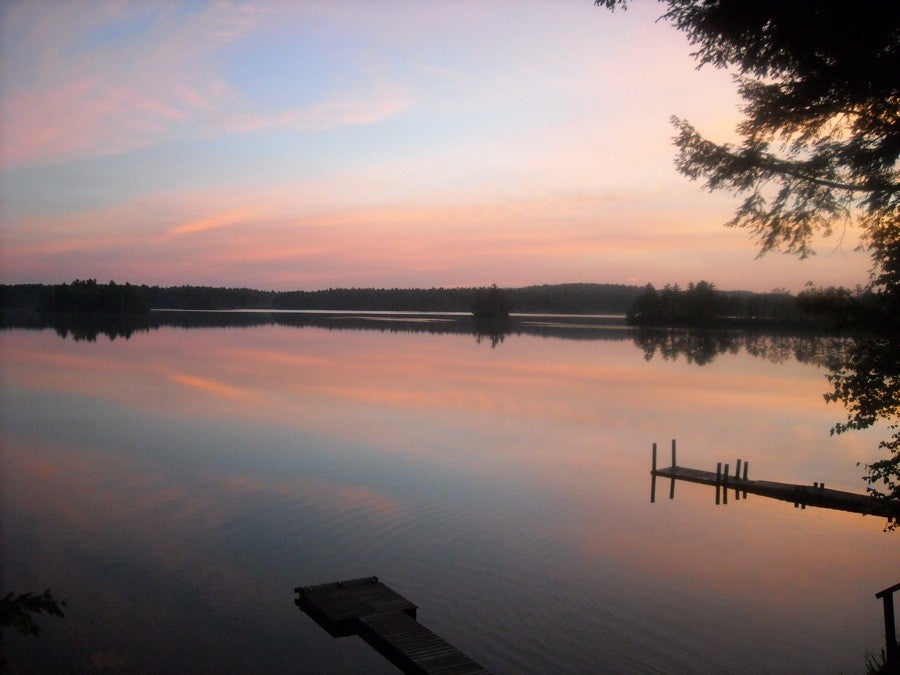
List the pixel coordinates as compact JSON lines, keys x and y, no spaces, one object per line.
{"x":80,"y":327}
{"x":174,"y":487}
{"x":702,"y":346}
{"x":494,"y":329}
{"x":699,"y":346}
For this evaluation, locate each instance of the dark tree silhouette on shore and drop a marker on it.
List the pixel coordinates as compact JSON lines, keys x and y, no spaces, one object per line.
{"x":89,"y":297}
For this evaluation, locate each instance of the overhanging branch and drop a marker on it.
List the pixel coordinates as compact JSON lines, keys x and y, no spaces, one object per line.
{"x":782,"y":166}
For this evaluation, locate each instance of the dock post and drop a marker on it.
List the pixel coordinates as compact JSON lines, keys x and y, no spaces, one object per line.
{"x":718,"y":481}
{"x":672,"y":483}
{"x":654,"y":459}
{"x":725,"y":485}
{"x":653,"y":477}
{"x":746,"y":464}
{"x":890,"y":630}
{"x":737,"y":477}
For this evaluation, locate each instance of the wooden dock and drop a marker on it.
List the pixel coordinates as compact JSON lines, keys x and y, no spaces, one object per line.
{"x":800,"y":495}
{"x":384,"y":619}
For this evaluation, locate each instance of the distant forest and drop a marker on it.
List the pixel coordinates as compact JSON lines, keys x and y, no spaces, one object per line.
{"x":560,"y":298}
{"x":698,"y":304}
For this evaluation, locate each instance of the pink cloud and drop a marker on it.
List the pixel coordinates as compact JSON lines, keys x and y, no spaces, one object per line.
{"x":305,"y":237}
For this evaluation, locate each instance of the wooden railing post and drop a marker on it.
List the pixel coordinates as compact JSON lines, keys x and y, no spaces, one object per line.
{"x":890,"y":630}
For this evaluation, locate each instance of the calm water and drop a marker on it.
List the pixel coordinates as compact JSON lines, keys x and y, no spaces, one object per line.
{"x":175,"y":487}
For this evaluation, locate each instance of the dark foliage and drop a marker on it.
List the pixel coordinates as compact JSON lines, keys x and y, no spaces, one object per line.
{"x":491,"y":304}
{"x":209,"y":297}
{"x":89,"y":297}
{"x":18,"y":611}
{"x":868,"y":384}
{"x":558,"y":298}
{"x":821,"y":128}
{"x":573,"y":298}
{"x":702,"y":304}
{"x":699,"y":303}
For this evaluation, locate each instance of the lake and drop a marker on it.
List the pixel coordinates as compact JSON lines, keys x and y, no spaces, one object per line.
{"x":174,"y":487}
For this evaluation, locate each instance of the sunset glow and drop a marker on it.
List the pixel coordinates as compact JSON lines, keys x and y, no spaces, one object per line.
{"x":319,"y":144}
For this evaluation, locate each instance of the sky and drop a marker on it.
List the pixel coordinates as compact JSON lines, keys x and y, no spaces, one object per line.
{"x":307,"y":145}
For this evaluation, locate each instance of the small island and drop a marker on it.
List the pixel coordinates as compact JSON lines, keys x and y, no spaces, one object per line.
{"x":491,"y":304}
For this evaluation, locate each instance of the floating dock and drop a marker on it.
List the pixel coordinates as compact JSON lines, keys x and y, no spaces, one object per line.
{"x":800,"y":495}
{"x":384,"y":619}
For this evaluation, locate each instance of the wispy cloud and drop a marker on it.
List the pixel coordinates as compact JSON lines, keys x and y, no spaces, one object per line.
{"x":210,"y":222}
{"x":158,"y":76}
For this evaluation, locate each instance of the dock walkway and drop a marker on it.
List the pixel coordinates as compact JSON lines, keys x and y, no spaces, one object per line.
{"x":384,"y":619}
{"x":800,"y":495}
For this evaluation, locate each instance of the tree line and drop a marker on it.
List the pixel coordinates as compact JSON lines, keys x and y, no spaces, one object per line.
{"x":698,"y":304}
{"x":702,"y":304}
{"x":90,"y":296}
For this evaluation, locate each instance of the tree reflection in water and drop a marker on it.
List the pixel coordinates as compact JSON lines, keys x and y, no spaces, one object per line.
{"x":493,"y":328}
{"x":702,"y":346}
{"x":867,"y":384}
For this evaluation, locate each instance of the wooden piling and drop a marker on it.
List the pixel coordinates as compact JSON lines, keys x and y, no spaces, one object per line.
{"x":890,"y":631}
{"x":674,"y":463}
{"x":725,"y":485}
{"x":746,"y":464}
{"x":718,"y":482}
